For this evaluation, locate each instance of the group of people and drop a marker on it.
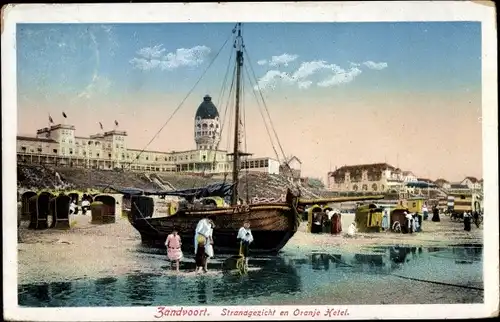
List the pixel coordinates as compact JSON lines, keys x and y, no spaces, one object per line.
{"x":73,"y":207}
{"x":203,"y":244}
{"x":470,"y":216}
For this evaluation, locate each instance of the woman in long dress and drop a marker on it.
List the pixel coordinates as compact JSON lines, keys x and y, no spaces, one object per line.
{"x":174,"y":251}
{"x":385,"y":220}
{"x":467,"y":221}
{"x":203,"y":243}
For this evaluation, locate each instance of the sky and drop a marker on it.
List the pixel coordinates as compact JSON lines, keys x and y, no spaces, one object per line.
{"x":405,"y":93}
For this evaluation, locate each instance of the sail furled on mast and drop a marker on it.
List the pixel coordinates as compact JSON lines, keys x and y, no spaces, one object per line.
{"x":221,"y":189}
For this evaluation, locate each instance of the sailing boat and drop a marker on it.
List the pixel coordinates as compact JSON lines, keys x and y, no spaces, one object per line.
{"x":273,"y":224}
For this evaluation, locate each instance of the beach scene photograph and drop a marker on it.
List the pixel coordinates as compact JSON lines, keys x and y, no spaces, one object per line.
{"x":239,"y":163}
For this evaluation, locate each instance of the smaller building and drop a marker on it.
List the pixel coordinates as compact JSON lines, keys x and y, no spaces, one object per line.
{"x":442,"y":183}
{"x":472,"y":183}
{"x":266,"y":165}
{"x":292,"y":167}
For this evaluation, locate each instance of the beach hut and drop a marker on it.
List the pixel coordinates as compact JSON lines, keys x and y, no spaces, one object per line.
{"x":368,"y":218}
{"x":25,"y":204}
{"x":108,"y":208}
{"x":415,"y":204}
{"x":315,"y":214}
{"x":142,"y":207}
{"x":96,"y":209}
{"x":59,"y":208}
{"x":40,"y":210}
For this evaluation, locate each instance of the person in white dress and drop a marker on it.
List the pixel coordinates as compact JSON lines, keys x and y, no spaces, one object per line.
{"x":203,"y":243}
{"x":409,"y":220}
{"x":72,"y":207}
{"x":85,"y":206}
{"x":351,"y":231}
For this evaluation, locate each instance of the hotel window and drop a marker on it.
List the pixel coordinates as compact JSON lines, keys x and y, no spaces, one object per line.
{"x":70,"y":151}
{"x":109,"y":155}
{"x":23,"y":148}
{"x":261,"y":164}
{"x":90,"y":154}
{"x":266,"y":163}
{"x":63,"y":140}
{"x":63,"y":150}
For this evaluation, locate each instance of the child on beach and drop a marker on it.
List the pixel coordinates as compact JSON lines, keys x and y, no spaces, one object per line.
{"x":246,"y":238}
{"x":174,"y":252}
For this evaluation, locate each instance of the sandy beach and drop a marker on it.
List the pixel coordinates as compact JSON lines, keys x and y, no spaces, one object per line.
{"x":93,"y":251}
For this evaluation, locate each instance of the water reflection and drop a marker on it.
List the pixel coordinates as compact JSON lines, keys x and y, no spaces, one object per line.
{"x":268,"y":277}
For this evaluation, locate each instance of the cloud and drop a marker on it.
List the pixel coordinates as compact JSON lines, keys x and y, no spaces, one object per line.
{"x":153,"y":58}
{"x":341,"y":76}
{"x":336,"y":75}
{"x":309,"y":68}
{"x":305,"y":84}
{"x":377,"y":66}
{"x":281,"y":60}
{"x":98,"y":85}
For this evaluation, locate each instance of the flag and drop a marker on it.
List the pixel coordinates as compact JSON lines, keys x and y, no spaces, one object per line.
{"x":64,"y":114}
{"x":100,"y":124}
{"x":116,"y":122}
{"x":50,"y":119}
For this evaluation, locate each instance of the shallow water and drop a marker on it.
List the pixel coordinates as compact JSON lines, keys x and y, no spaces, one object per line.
{"x":288,"y":277}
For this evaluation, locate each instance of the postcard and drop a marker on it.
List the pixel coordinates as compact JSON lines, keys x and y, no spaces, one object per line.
{"x":267,"y":161}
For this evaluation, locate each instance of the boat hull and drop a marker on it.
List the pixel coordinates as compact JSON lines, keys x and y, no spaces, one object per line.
{"x":272,"y":227}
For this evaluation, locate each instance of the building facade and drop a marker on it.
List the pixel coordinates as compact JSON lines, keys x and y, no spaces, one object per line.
{"x":376,"y":177}
{"x":60,"y":146}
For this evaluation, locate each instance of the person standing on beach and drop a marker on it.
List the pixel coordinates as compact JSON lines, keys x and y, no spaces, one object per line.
{"x":467,"y":221}
{"x":435,"y":214}
{"x":72,"y":207}
{"x":409,"y":224}
{"x":245,"y":237}
{"x":425,"y":211}
{"x":203,"y":243}
{"x":385,"y":220}
{"x":174,"y":251}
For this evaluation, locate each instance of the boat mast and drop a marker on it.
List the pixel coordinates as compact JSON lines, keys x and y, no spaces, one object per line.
{"x":236,"y":153}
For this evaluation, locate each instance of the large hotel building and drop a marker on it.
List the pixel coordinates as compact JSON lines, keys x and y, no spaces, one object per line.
{"x":59,"y":145}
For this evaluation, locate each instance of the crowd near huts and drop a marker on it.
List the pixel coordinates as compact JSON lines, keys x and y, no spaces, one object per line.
{"x":400,"y":216}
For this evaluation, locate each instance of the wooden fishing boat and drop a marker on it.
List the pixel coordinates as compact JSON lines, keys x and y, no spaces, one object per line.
{"x":272,"y":224}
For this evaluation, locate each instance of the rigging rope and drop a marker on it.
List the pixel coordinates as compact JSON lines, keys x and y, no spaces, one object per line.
{"x":178,"y":107}
{"x":265,"y":106}
{"x":285,"y":161}
{"x":264,"y":119}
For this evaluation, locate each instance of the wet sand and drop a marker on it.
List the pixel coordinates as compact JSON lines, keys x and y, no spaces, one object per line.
{"x":93,"y":251}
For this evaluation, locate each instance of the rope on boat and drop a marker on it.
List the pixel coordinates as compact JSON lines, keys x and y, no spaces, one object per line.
{"x":177,"y":108}
{"x":419,"y":279}
{"x":140,"y":213}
